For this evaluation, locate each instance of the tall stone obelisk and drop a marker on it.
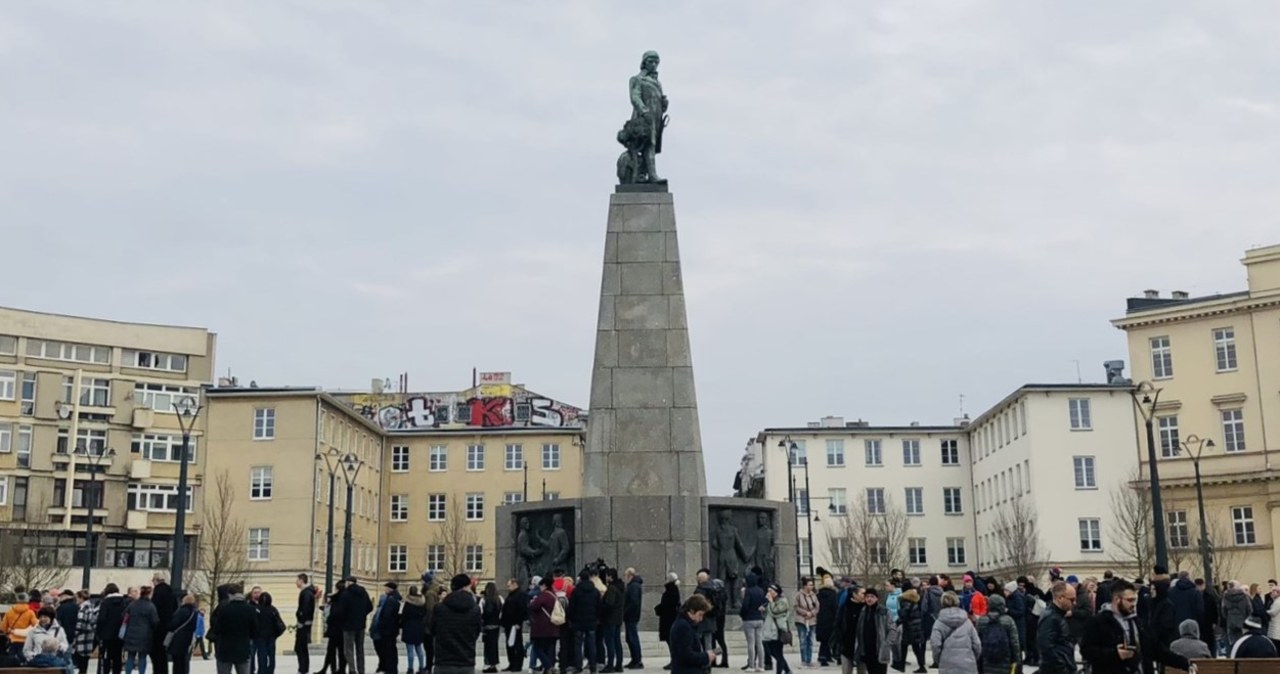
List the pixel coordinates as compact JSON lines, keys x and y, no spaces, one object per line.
{"x":643,"y":436}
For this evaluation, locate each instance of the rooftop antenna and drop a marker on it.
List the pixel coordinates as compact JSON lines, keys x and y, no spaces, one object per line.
{"x":961,"y":404}
{"x":1079,"y":379}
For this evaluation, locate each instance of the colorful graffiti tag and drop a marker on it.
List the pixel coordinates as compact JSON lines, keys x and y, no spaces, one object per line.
{"x":485,"y":406}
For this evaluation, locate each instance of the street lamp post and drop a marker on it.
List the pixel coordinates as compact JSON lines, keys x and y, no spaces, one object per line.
{"x":330,"y":459}
{"x":807,"y":519}
{"x":1206,"y":558}
{"x":1146,"y":396}
{"x":93,"y":460}
{"x":187,"y":410}
{"x":789,"y":448}
{"x":524,"y":496}
{"x":351,"y":465}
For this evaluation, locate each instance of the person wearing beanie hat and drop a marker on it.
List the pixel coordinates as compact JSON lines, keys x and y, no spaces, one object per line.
{"x":1254,"y":644}
{"x":971,"y":600}
{"x":1188,"y":644}
{"x":456,"y":626}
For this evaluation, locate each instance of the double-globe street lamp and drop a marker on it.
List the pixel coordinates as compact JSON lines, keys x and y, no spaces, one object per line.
{"x":351,"y":465}
{"x":1146,"y":397}
{"x":103,"y":456}
{"x":791,"y":449}
{"x":1206,"y":556}
{"x":187,"y":410}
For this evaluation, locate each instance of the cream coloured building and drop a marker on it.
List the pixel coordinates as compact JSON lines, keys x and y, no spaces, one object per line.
{"x":1216,"y":361}
{"x":69,"y":383}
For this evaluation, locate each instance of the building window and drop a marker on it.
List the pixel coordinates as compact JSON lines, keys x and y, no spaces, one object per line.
{"x":1233,"y":430}
{"x":24,"y":448}
{"x":259,"y":545}
{"x":264,"y":423}
{"x":514,"y":457}
{"x":1179,"y":532}
{"x":475,"y":507}
{"x":1169,"y":443}
{"x":435,"y":507}
{"x":1224,"y":348}
{"x":439,"y":459}
{"x":6,"y":436}
{"x":1090,"y":535}
{"x":551,"y":456}
{"x":875,"y":501}
{"x":93,"y":440}
{"x":802,"y":501}
{"x":79,"y":353}
{"x":915,"y":500}
{"x":878,"y":551}
{"x":916,"y":552}
{"x":798,"y":453}
{"x":161,"y":397}
{"x":397,"y":558}
{"x":1161,"y":358}
{"x":399,"y":507}
{"x":475,"y":457}
{"x":955,"y":552}
{"x":950,"y":453}
{"x":806,"y":552}
{"x":1085,"y":478}
{"x":551,"y":496}
{"x":513,"y":497}
{"x":154,"y":360}
{"x":1242,"y":522}
{"x":838,"y":504}
{"x":155,"y":447}
{"x":835,"y":453}
{"x":475,"y":558}
{"x":28,"y":393}
{"x":19,"y":498}
{"x":4,"y":490}
{"x":260,"y":483}
{"x":871,"y":448}
{"x":8,"y":384}
{"x":1080,"y":420}
{"x":8,"y":345}
{"x":154,"y":498}
{"x":435,"y":558}
{"x":399,"y":459}
{"x":951,"y":501}
{"x":94,"y":392}
{"x":910,"y":452}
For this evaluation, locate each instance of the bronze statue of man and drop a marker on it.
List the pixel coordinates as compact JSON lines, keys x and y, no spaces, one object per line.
{"x":642,"y":134}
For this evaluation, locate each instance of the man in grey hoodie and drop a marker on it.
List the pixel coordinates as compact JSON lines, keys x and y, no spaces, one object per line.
{"x":1188,"y":644}
{"x":1236,"y":608}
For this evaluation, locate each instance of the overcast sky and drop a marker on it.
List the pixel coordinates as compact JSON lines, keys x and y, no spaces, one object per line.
{"x":882,"y":205}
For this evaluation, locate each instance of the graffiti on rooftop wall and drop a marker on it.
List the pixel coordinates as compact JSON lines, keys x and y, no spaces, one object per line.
{"x":485,"y":406}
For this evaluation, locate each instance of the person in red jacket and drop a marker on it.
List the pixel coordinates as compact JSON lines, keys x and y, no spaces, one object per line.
{"x":972,"y":600}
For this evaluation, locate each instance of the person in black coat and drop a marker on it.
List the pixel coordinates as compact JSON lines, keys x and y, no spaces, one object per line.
{"x":183,"y":628}
{"x":668,"y":608}
{"x":687,"y":654}
{"x":612,"y":607}
{"x":335,"y":658}
{"x":110,"y":617}
{"x":828,"y":604}
{"x":270,"y":627}
{"x":385,"y":629}
{"x":631,"y":617}
{"x":413,"y":630}
{"x":66,"y":614}
{"x":166,"y":605}
{"x":1115,"y":642}
{"x":305,"y":617}
{"x":354,"y":607}
{"x":457,"y":627}
{"x":584,"y":616}
{"x":232,"y":628}
{"x":515,"y":610}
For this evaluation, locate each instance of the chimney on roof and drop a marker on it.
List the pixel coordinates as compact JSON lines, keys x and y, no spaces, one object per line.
{"x":857,"y":424}
{"x":962,"y":421}
{"x":1180,"y":295}
{"x":375,"y":386}
{"x":1151,"y":294}
{"x":831,"y":422}
{"x":915,"y":424}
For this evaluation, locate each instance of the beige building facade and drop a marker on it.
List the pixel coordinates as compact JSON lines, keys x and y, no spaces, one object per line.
{"x":87,"y":416}
{"x":1216,"y":363}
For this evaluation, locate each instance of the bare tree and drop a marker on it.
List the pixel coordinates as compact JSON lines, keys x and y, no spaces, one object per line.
{"x":223,"y":554}
{"x":1131,"y":527}
{"x":454,"y":535}
{"x":1018,"y":535}
{"x":869,"y":544}
{"x":28,"y":566}
{"x":1227,"y":556}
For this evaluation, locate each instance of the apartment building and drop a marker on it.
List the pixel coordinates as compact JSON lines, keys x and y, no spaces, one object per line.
{"x":915,"y":477}
{"x":1053,"y":456}
{"x":88,"y":417}
{"x":1213,"y":365}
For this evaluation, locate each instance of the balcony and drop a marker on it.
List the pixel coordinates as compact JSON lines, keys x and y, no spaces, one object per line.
{"x":100,"y":514}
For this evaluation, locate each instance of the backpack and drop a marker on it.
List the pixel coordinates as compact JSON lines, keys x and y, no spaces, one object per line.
{"x":995,"y":643}
{"x":557,"y":614}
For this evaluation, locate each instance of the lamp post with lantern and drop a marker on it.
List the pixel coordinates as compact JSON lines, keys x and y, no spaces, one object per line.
{"x":351,"y":465}
{"x":1146,"y":397}
{"x":187,"y":410}
{"x":1206,"y":555}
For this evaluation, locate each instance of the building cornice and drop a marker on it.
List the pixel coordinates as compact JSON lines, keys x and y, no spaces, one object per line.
{"x":1196,"y":310}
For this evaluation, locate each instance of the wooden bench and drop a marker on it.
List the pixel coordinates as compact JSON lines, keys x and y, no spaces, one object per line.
{"x":30,"y":670}
{"x":1224,"y":666}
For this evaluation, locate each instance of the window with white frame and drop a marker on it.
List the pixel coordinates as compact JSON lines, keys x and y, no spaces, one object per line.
{"x":915,"y":500}
{"x":475,"y":457}
{"x":28,"y":407}
{"x":551,"y":496}
{"x":955,"y":552}
{"x":1026,"y":467}
{"x":917,"y":554}
{"x":399,"y":459}
{"x":950,"y":452}
{"x":160,"y":397}
{"x":951,"y":504}
{"x":23,"y":450}
{"x":475,"y":507}
{"x":474,"y":558}
{"x":910,"y":452}
{"x":806,"y":551}
{"x":1169,"y":441}
{"x":840,"y":552}
{"x":802,"y":501}
{"x":439,"y":459}
{"x":1085,"y":477}
{"x":1080,"y":416}
{"x":397,"y":558}
{"x":155,"y":360}
{"x":1233,"y":430}
{"x":873,"y":455}
{"x":1179,"y":531}
{"x":94,"y":391}
{"x":8,"y":384}
{"x":798,"y":453}
{"x":399,"y":507}
{"x":259,"y":544}
{"x":8,"y":345}
{"x":158,"y":447}
{"x":551,"y":456}
{"x":79,"y":353}
{"x":1161,"y":357}
{"x":835,"y":453}
{"x":261,"y":479}
{"x":93,"y":440}
{"x":514,"y":457}
{"x":875,"y":500}
{"x":1090,"y":534}
{"x":435,"y":558}
{"x":878,"y":551}
{"x":264,"y":423}
{"x":436,"y":507}
{"x":4,"y":490}
{"x":838,"y":501}
{"x":1242,"y":523}
{"x":1224,"y":348}
{"x":512,"y":497}
{"x":6,"y":437}
{"x":155,"y":498}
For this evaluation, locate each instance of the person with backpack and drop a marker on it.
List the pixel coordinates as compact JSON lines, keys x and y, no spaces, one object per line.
{"x":543,"y":630}
{"x":269,"y":628}
{"x":955,"y":642}
{"x":1001,"y":647}
{"x":775,"y":633}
